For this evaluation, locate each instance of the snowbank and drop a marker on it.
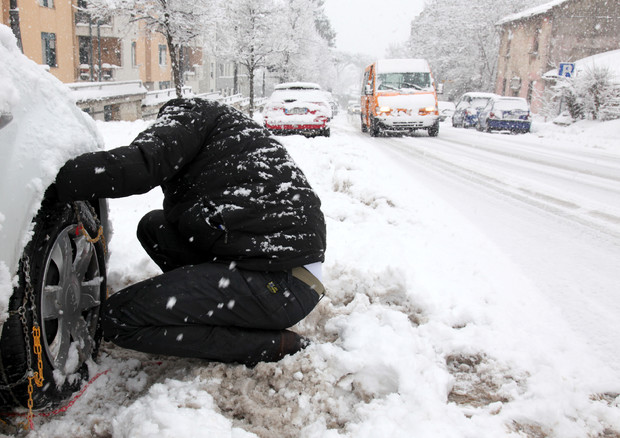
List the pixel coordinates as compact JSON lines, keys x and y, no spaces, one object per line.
{"x":427,"y":330}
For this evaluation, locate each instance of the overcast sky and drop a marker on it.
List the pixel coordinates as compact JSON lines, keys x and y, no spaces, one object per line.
{"x":370,"y":26}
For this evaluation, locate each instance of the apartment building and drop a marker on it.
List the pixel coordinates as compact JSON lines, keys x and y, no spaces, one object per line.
{"x":538,"y":39}
{"x":78,"y":48}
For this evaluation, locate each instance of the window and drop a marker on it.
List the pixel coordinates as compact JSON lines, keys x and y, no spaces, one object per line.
{"x":508,"y":43}
{"x":48,"y":44}
{"x":84,"y":49}
{"x":111,"y":112}
{"x":535,"y":43}
{"x":530,"y":91}
{"x":46,"y":3}
{"x":134,"y":59}
{"x":364,"y":82}
{"x":162,"y":54}
{"x":504,"y":84}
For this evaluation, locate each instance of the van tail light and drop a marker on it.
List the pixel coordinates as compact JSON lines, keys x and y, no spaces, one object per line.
{"x":491,"y":115}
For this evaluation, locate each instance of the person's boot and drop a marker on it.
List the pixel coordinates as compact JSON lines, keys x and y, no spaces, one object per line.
{"x":290,"y":343}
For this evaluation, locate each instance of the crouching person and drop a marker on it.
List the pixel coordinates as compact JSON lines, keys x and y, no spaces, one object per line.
{"x":240,"y":238}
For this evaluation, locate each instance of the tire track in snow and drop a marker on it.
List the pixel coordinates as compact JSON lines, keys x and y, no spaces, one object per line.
{"x":492,"y":178}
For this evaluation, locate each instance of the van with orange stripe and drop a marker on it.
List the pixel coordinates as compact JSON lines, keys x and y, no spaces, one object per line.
{"x":399,"y":95}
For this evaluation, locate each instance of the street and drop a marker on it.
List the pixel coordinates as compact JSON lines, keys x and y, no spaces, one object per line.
{"x":552,"y":206}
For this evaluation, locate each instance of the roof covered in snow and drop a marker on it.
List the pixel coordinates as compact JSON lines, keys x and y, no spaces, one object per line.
{"x":83,"y":91}
{"x":608,"y":60}
{"x":532,"y":12}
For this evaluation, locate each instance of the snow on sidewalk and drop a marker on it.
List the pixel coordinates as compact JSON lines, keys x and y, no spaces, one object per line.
{"x":427,"y":330}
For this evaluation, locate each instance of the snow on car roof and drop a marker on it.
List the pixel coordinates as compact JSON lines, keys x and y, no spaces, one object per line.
{"x":402,"y":65}
{"x":507,"y":99}
{"x":308,"y":95}
{"x":297,"y":86}
{"x":476,"y":94}
{"x":531,"y":12}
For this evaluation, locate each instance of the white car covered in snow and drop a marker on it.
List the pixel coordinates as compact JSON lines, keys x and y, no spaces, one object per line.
{"x":52,"y":255}
{"x":298,"y":108}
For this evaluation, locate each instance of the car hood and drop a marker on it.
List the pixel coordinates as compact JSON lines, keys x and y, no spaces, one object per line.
{"x":46,"y":130}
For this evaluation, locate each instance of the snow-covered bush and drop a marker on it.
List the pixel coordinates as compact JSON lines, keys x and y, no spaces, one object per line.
{"x":593,"y":94}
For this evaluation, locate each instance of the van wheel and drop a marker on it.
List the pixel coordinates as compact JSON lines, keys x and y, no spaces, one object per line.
{"x":68,"y":278}
{"x":375,"y":131}
{"x":433,"y":131}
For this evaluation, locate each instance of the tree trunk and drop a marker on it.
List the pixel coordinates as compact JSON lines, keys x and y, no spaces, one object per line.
{"x":173,"y":49}
{"x":251,"y":77}
{"x":236,"y":79}
{"x":176,"y":67}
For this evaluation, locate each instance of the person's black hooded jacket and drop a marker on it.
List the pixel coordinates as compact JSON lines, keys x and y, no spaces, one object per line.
{"x":229,"y":187}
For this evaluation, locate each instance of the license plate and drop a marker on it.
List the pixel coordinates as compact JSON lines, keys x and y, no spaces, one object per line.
{"x":296,"y":111}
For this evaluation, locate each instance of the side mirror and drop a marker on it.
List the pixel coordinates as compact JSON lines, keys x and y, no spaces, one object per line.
{"x":440,"y":88}
{"x":368,"y":89}
{"x":5,"y":118}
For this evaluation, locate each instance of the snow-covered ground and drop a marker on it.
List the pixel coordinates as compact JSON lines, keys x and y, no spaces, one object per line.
{"x":432,"y":325}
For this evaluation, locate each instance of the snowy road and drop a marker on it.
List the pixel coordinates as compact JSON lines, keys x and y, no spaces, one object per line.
{"x":554,"y":208}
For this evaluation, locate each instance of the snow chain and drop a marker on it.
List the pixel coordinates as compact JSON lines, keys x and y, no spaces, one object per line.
{"x":82,"y":229}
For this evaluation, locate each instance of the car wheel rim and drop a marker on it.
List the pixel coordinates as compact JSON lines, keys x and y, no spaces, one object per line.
{"x":70,"y":300}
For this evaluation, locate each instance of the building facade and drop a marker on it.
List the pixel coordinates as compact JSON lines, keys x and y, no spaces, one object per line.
{"x":77,"y":48}
{"x":538,"y":39}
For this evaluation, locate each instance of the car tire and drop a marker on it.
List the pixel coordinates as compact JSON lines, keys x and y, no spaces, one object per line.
{"x":66,"y":270}
{"x":433,"y":131}
{"x":326,"y":132}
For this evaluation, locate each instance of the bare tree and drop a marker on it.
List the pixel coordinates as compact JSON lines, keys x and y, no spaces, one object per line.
{"x":177,"y":20}
{"x":248,"y":37}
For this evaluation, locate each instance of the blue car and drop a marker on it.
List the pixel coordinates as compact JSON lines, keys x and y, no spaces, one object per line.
{"x":469,"y":105}
{"x":505,"y":114}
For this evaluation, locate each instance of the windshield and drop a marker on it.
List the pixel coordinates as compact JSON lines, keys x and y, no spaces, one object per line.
{"x":403,"y":81}
{"x":480,"y":102}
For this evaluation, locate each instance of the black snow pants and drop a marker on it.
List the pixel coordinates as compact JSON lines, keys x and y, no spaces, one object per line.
{"x":206,"y":310}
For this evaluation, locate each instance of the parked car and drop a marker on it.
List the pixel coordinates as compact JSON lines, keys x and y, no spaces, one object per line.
{"x":298,"y":108}
{"x":446,"y":109}
{"x":52,"y":254}
{"x":332,"y":103}
{"x":467,"y":109}
{"x":505,"y":114}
